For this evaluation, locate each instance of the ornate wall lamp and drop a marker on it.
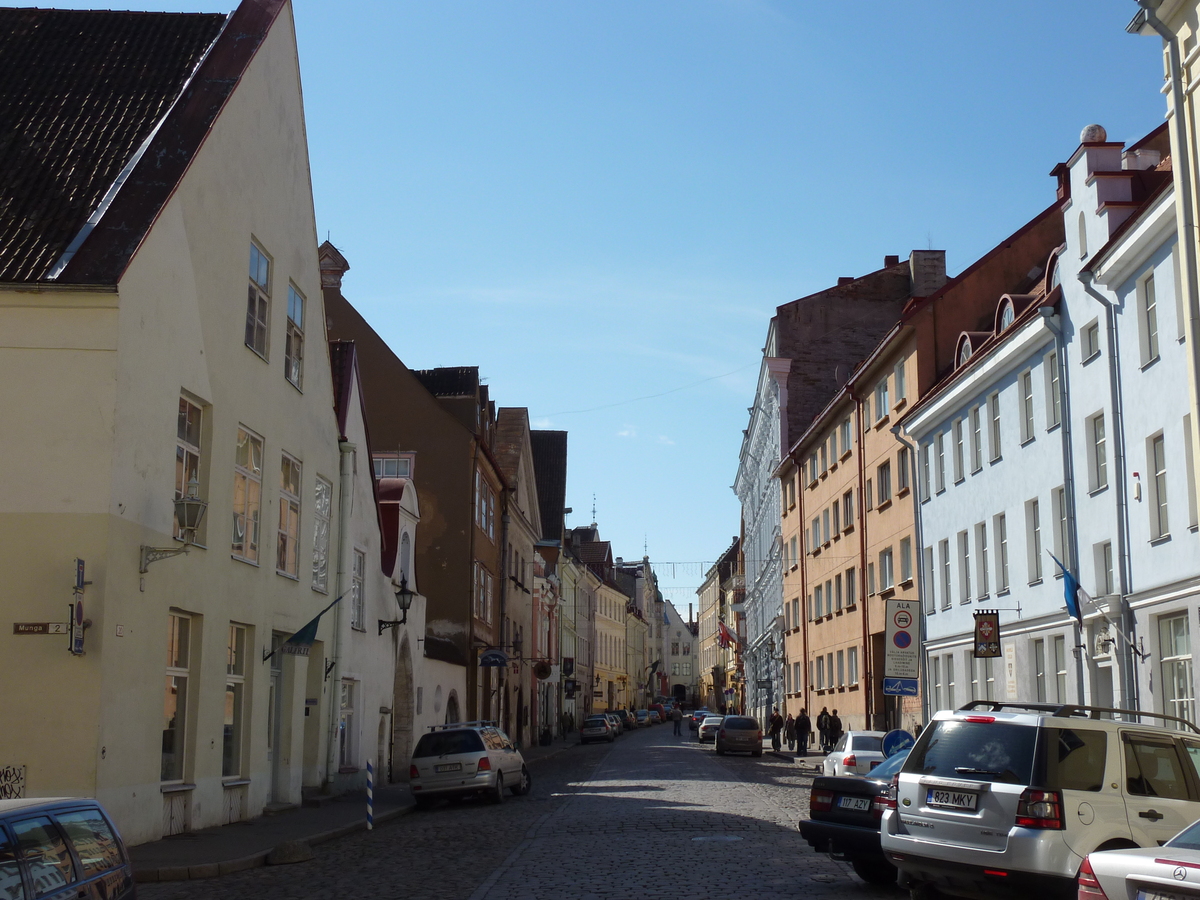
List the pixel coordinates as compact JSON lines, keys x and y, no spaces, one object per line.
{"x":189,"y":511}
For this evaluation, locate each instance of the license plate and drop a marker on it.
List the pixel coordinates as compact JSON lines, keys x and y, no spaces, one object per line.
{"x":1160,"y":895}
{"x":854,"y":802}
{"x":448,"y":767}
{"x":874,"y":763}
{"x":951,"y":799}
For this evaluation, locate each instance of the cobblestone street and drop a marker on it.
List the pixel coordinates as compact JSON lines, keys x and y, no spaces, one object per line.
{"x":652,"y":816}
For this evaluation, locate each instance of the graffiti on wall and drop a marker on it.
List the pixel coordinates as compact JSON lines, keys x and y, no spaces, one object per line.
{"x":12,"y":782}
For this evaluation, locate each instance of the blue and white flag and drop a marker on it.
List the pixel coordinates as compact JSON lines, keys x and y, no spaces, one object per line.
{"x":1072,"y":590}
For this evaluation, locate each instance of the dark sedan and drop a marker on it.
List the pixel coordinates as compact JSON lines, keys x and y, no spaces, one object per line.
{"x":845,"y":811}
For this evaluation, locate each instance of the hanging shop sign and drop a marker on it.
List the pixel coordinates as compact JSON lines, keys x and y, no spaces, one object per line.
{"x":987,"y":634}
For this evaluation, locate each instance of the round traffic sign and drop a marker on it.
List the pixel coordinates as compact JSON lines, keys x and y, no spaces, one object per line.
{"x":902,"y":618}
{"x":895,"y":741}
{"x":902,"y":639}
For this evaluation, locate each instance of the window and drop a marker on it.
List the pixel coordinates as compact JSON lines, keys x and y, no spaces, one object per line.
{"x":794,"y":558}
{"x":674,"y":648}
{"x":981,"y":558}
{"x":1091,"y":341}
{"x":957,"y":430}
{"x":346,"y":730}
{"x":848,"y":509}
{"x":287,"y":560}
{"x":322,"y":513}
{"x":964,"y":567}
{"x":1059,"y":496}
{"x":939,"y":688}
{"x":820,"y":679}
{"x":852,"y":665}
{"x":994,"y":415}
{"x":94,"y":842}
{"x":1039,"y":670}
{"x":884,"y":476}
{"x":247,"y":495}
{"x":483,"y":593}
{"x":687,"y":669}
{"x":818,"y":600}
{"x":812,"y":467}
{"x":1082,"y":237}
{"x":1189,"y":472}
{"x":235,"y":685}
{"x":927,"y":578}
{"x":902,"y":470}
{"x":976,"y":441}
{"x":825,"y":526}
{"x":293,"y":348}
{"x":948,"y":665}
{"x":906,"y":573}
{"x":837,"y":518}
{"x":1033,"y":532}
{"x":851,"y":587}
{"x":1175,"y":650}
{"x":1060,"y":669}
{"x":1026,"y":385}
{"x":837,"y":591}
{"x":841,"y":668}
{"x":939,"y":444}
{"x":816,"y":533}
{"x":187,"y":452}
{"x":846,"y":435}
{"x":485,"y":505}
{"x":870,"y":504}
{"x":901,"y":387}
{"x":175,"y":708}
{"x":1053,"y":395}
{"x":881,"y":399}
{"x":1103,"y":555}
{"x":870,"y":579}
{"x":1180,"y":316}
{"x":391,"y":465}
{"x":1156,"y":462}
{"x":1097,"y":453}
{"x":925,"y":472}
{"x":51,"y":868}
{"x":358,"y":575}
{"x":1148,"y":319}
{"x":824,"y":460}
{"x":675,"y":669}
{"x":258,"y":307}
{"x":886,"y":570}
{"x":833,"y":448}
{"x":944,"y":559}
{"x":1000,"y":533}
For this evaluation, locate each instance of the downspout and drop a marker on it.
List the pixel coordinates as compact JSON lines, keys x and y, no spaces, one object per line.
{"x":345,"y":505}
{"x":918,"y":533}
{"x":1185,"y":213}
{"x":506,"y":639}
{"x":805,"y":663}
{"x":471,"y":661}
{"x":868,"y":656}
{"x":1123,"y":570}
{"x":1050,"y":317}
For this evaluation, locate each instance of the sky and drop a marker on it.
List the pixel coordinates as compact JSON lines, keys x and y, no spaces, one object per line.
{"x":600,"y":204}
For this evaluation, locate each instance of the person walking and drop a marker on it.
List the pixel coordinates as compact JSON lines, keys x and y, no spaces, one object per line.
{"x":803,"y":731}
{"x":823,"y":728}
{"x":677,"y":718}
{"x":789,"y":732}
{"x":774,"y":728}
{"x":835,"y":728}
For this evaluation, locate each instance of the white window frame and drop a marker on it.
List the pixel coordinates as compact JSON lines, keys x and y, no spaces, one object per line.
{"x":1033,"y":539}
{"x":930,"y":594}
{"x":883,"y":477}
{"x":944,"y":560}
{"x":1147,"y":308}
{"x":959,"y":451}
{"x":881,"y":399}
{"x":247,"y":510}
{"x":925,"y":494}
{"x":1053,"y":395}
{"x":189,"y":429}
{"x":964,"y":567}
{"x":293,"y":347}
{"x":358,"y":575}
{"x":1156,"y":467}
{"x":940,"y":445}
{"x":906,"y":563}
{"x":901,"y":385}
{"x":1175,"y":660}
{"x":178,"y":672}
{"x":233,"y":732}
{"x":976,"y":440}
{"x":1000,"y":533}
{"x":258,"y":303}
{"x":347,"y":725}
{"x":994,"y":417}
{"x":1097,"y":443}
{"x":1025,"y":386}
{"x":322,"y":525}
{"x":981,"y":560}
{"x":287,"y":555}
{"x":1090,"y":340}
{"x":887,"y":569}
{"x":852,"y":665}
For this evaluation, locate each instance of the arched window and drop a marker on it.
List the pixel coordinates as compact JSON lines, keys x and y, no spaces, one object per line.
{"x":965,"y":352}
{"x":405,"y":555}
{"x":1006,"y":316}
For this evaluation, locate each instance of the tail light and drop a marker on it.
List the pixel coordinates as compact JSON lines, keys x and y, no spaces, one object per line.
{"x":413,"y":773}
{"x":887,"y":799}
{"x":850,"y":762}
{"x":760,"y":734}
{"x":820,"y":801}
{"x":1089,"y":884}
{"x":721,"y":733}
{"x":1040,"y":809}
{"x":485,"y":765}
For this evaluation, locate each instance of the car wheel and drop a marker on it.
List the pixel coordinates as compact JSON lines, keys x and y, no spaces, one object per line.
{"x":423,"y":802}
{"x":522,"y":787}
{"x":874,"y":871}
{"x":756,"y":753}
{"x":497,"y":794}
{"x":923,"y":891}
{"x":720,"y":750}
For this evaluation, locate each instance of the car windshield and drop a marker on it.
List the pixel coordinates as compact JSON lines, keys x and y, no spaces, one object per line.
{"x":975,"y":751}
{"x":889,"y":767}
{"x":867,"y":743}
{"x":445,"y":743}
{"x":596,"y":720}
{"x":1188,"y":839}
{"x":739,"y":723}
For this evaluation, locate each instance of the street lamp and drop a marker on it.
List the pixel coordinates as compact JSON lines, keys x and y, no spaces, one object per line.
{"x":404,"y":599}
{"x":189,"y":511}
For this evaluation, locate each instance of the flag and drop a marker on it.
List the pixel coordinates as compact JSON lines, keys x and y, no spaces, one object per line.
{"x":306,"y":635}
{"x":654,"y":666}
{"x":666,"y":618}
{"x":724,"y":635}
{"x":1071,"y":590}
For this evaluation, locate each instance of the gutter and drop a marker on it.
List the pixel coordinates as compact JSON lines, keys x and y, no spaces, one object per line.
{"x":868,"y":656}
{"x":918,"y":533}
{"x":345,"y":501}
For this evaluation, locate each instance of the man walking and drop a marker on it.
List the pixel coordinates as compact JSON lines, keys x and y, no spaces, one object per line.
{"x":776,"y":726}
{"x":823,"y":728}
{"x":803,"y":730}
{"x":789,"y":732}
{"x":677,"y":718}
{"x":835,"y":728}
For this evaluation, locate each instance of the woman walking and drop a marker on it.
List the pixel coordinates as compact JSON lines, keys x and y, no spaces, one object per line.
{"x":789,"y":732}
{"x":803,"y":730}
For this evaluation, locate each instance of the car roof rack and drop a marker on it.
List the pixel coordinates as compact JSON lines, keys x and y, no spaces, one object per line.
{"x":1069,"y":710}
{"x":477,"y":723}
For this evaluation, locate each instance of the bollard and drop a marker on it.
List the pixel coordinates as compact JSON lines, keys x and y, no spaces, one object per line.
{"x":370,"y":797}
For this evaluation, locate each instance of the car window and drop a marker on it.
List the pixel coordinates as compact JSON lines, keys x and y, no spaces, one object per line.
{"x":11,"y":887}
{"x":711,"y":720}
{"x":841,"y":744}
{"x":867,"y":743}
{"x":93,"y":840}
{"x":1153,"y":769}
{"x":491,"y":738}
{"x":739,"y":723}
{"x":46,"y":854}
{"x":505,"y":740}
{"x":446,"y":743}
{"x":1193,"y":749}
{"x":1074,"y":758}
{"x":974,"y":751}
{"x":1188,"y":839}
{"x":889,"y":767}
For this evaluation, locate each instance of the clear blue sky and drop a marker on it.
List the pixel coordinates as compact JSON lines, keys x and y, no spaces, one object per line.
{"x":599,"y":201}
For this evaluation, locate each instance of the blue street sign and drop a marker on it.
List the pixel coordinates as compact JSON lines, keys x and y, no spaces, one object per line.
{"x":900,"y":687}
{"x":895,"y":741}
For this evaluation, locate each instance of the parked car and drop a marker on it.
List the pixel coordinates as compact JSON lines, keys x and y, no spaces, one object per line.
{"x":855,"y":753}
{"x":596,"y":728}
{"x":653,"y":716}
{"x":618,"y":728}
{"x":466,"y":758}
{"x":61,"y":847}
{"x":697,"y":717}
{"x":660,"y":709}
{"x":1172,"y":870}
{"x":844,"y":815}
{"x":709,"y":728}
{"x":1009,"y":798}
{"x":643,"y":717}
{"x":739,"y":734}
{"x":628,"y":723}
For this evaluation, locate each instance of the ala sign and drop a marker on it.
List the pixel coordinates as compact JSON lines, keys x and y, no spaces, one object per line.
{"x":902,"y":648}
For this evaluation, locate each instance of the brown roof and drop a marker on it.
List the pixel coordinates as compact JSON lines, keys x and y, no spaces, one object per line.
{"x":550,"y":472}
{"x":450,"y":381}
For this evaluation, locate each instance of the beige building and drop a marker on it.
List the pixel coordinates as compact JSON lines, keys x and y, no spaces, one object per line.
{"x":166,"y":327}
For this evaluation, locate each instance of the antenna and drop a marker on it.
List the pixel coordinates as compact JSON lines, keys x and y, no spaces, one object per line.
{"x":593,"y":507}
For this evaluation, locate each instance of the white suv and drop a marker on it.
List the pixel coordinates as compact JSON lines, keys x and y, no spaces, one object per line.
{"x":1006,"y":799}
{"x":466,"y":758}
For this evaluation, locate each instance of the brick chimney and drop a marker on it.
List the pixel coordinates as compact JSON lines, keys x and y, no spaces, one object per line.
{"x":927,"y":269}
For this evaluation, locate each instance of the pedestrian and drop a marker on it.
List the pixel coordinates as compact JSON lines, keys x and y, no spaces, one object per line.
{"x":835,"y":728}
{"x":823,"y":728}
{"x":803,"y":731}
{"x":774,"y":728}
{"x":677,"y":718}
{"x":789,"y":732}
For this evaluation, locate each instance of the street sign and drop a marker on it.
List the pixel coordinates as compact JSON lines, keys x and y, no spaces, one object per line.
{"x":40,"y":627}
{"x":77,"y":624}
{"x":764,"y":682}
{"x":902,"y":648}
{"x":895,"y":741}
{"x":900,"y":687}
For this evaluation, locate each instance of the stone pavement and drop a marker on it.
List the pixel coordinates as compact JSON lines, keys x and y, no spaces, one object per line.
{"x":244,"y":845}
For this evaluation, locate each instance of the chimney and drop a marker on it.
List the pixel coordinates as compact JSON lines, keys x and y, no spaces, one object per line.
{"x":927,"y":269}
{"x":889,"y":261}
{"x":845,"y":279}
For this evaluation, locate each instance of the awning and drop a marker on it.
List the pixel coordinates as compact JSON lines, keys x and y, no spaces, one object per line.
{"x":495,"y":658}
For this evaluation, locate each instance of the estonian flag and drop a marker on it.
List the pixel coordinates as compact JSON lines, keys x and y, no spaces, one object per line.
{"x":1072,"y":590}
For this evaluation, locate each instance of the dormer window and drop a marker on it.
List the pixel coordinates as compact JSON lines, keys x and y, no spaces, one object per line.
{"x":964,"y":352}
{"x":1006,"y":316}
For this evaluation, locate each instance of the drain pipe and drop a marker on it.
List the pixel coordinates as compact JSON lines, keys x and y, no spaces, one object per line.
{"x":1124,"y":574}
{"x":345,"y":506}
{"x":919,"y":553}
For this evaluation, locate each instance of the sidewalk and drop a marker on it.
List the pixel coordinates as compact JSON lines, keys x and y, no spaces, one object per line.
{"x":244,"y":845}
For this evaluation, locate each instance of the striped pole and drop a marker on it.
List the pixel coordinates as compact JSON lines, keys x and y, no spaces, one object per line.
{"x":370,"y":796}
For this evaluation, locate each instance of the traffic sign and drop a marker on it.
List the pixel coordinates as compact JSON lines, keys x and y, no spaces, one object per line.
{"x":895,"y":741}
{"x":902,"y":652}
{"x":900,"y":687}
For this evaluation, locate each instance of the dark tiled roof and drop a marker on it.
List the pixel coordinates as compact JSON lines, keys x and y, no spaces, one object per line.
{"x":80,"y":91}
{"x":456,"y":381}
{"x":511,"y":424}
{"x":550,"y":471}
{"x":341,"y":364}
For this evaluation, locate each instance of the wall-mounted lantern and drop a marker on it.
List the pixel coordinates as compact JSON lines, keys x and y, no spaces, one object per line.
{"x":189,"y":512}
